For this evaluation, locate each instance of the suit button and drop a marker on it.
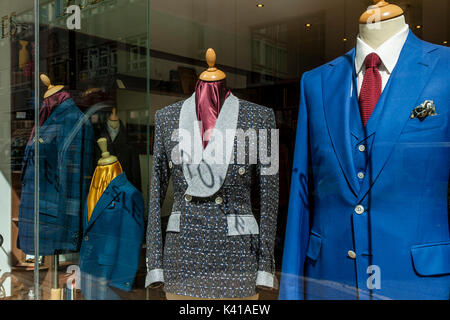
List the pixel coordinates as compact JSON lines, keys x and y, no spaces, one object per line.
{"x":86,"y":238}
{"x":359,"y":209}
{"x":170,"y":164}
{"x":362,"y":148}
{"x":188,"y":197}
{"x":361,"y":175}
{"x":351,"y":254}
{"x":219,"y":200}
{"x":127,"y":284}
{"x":242,"y":171}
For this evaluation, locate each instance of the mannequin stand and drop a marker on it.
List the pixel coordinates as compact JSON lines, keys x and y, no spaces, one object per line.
{"x":55,"y":292}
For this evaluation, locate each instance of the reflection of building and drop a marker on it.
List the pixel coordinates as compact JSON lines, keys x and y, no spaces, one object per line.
{"x":137,"y":56}
{"x":54,"y":11}
{"x":269,"y":53}
{"x":286,"y":49}
{"x":97,"y":62}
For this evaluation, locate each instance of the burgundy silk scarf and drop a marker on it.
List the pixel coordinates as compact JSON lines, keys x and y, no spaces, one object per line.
{"x":48,"y":106}
{"x":209,"y":99}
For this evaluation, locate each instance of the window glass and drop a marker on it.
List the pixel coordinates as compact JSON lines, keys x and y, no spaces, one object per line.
{"x":342,"y":191}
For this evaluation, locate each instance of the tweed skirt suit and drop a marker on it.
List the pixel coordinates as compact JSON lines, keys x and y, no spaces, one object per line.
{"x":216,"y":245}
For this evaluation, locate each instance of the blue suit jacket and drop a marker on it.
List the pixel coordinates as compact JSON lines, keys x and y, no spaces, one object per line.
{"x":112,"y":241}
{"x":402,"y":237}
{"x":65,"y":164}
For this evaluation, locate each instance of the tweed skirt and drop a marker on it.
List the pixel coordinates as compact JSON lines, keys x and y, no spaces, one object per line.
{"x":202,"y":260}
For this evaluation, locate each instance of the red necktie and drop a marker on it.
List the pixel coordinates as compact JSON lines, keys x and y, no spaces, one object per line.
{"x":371,"y":87}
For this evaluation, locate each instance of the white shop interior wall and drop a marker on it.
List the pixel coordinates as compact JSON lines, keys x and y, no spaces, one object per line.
{"x":6,"y":8}
{"x":5,"y":166}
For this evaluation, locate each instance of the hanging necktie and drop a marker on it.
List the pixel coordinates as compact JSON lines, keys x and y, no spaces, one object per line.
{"x":371,"y":87}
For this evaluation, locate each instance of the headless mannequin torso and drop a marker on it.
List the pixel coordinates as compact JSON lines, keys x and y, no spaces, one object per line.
{"x":113,"y":120}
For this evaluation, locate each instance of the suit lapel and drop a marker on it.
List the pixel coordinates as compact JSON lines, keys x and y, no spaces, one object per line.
{"x":108,"y":196}
{"x":407,"y":82}
{"x":337,"y":107}
{"x":204,"y":173}
{"x":120,"y":138}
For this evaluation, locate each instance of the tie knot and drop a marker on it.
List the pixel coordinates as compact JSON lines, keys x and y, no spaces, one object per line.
{"x":372,"y":61}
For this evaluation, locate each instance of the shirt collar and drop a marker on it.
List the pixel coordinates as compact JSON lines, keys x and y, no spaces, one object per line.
{"x":389,"y":51}
{"x":113,"y":132}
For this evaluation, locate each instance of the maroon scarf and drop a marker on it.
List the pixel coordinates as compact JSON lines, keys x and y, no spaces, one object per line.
{"x":209,"y":99}
{"x":48,"y":106}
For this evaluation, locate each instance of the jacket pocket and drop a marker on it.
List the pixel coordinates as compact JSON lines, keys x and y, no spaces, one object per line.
{"x":431,"y":259}
{"x":239,"y":225}
{"x":439,"y":121}
{"x":48,"y":208}
{"x":174,"y":222}
{"x":314,"y":246}
{"x":106,"y":260}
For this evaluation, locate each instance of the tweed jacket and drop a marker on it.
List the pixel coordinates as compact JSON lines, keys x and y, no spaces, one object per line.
{"x":112,"y":240}
{"x":217,"y":245}
{"x":65,"y":164}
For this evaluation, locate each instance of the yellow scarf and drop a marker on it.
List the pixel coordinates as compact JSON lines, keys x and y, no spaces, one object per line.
{"x":103,"y":176}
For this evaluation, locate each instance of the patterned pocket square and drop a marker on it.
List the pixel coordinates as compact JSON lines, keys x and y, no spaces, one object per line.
{"x":426,"y":109}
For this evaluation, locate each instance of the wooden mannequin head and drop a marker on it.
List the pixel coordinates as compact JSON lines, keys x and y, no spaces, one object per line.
{"x":51,"y":88}
{"x":386,"y":12}
{"x":113,"y":116}
{"x":212,"y":73}
{"x":24,"y":55}
{"x":106,"y":158}
{"x":113,"y":119}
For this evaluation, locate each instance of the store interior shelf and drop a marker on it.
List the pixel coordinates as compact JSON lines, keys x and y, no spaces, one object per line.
{"x":25,"y":266}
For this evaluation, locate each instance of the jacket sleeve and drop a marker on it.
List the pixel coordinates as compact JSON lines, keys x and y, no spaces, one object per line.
{"x":268,"y":171}
{"x":131,"y":236}
{"x":159,"y":183}
{"x":297,"y":228}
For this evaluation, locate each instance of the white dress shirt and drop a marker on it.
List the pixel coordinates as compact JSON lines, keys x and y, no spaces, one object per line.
{"x":113,"y":132}
{"x":389,"y":52}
